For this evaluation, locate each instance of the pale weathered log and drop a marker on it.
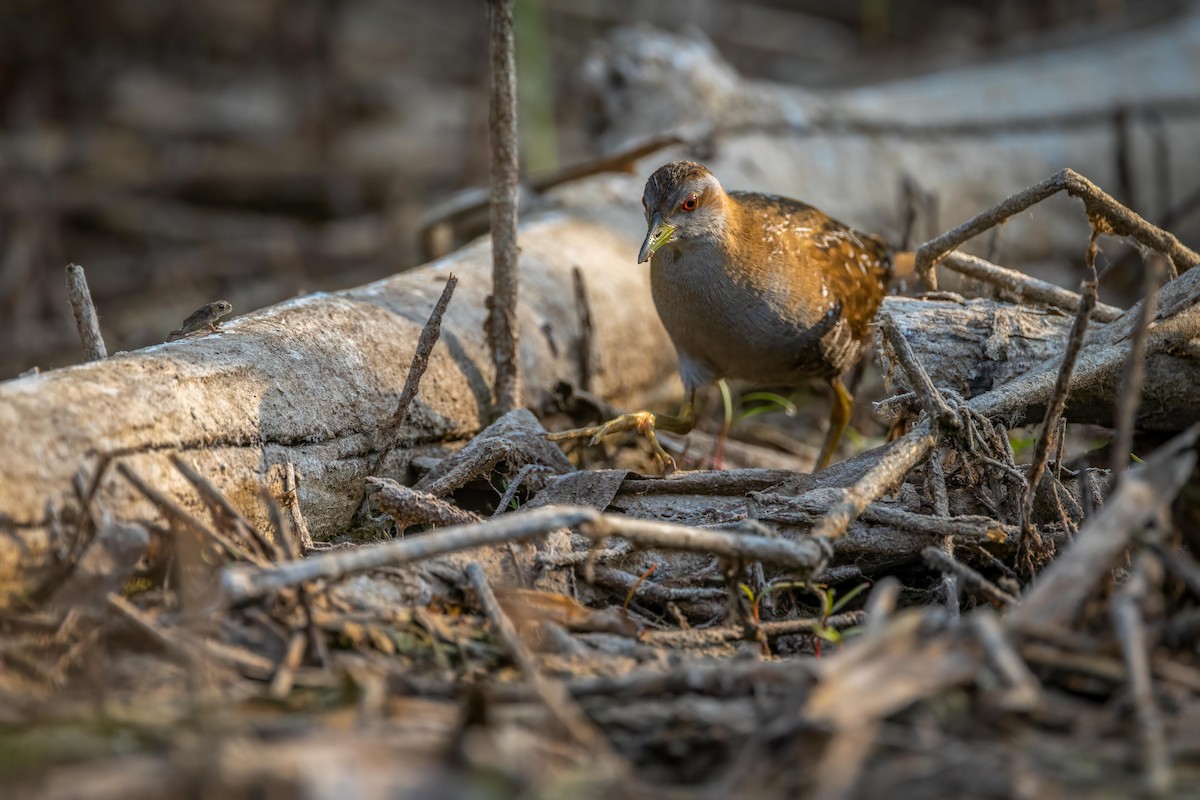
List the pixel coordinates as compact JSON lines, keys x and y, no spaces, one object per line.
{"x":312,"y":380}
{"x":976,"y":346}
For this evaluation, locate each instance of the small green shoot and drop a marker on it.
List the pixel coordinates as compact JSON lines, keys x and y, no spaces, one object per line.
{"x":831,"y":604}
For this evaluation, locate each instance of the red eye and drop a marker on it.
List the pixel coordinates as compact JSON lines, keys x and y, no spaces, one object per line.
{"x":690,"y":202}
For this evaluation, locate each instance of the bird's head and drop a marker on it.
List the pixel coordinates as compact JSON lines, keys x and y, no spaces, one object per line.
{"x":684,"y":203}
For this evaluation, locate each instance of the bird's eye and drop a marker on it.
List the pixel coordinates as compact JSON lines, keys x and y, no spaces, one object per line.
{"x":690,"y":202}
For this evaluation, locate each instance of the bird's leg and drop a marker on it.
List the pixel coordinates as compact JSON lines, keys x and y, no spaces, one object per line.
{"x":839,"y":418}
{"x":718,"y":458}
{"x":645,"y":423}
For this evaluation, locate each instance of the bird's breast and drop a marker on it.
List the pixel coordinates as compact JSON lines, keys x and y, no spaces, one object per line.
{"x":749,"y":324}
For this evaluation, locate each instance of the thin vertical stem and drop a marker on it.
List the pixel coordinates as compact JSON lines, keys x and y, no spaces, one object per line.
{"x":86,"y":320}
{"x":502,"y":311}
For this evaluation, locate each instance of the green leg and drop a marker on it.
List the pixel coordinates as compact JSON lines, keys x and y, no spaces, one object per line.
{"x":839,"y":418}
{"x":645,"y":423}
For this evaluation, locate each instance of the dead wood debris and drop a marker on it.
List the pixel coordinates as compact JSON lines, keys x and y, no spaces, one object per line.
{"x":501,"y":326}
{"x":755,"y":632}
{"x":86,"y":319}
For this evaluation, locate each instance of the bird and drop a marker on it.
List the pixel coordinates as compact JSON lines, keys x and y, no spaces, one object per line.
{"x":752,"y":286}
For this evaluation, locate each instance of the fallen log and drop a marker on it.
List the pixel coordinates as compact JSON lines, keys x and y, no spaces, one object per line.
{"x":979,"y":345}
{"x":312,"y":382}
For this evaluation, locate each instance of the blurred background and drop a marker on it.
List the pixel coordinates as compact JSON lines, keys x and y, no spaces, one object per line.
{"x":184,"y":152}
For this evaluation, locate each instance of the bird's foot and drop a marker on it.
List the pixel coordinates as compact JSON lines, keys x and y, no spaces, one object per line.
{"x":641,"y":421}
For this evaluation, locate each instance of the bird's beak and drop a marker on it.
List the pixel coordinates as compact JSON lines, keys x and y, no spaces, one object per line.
{"x":658,"y":234}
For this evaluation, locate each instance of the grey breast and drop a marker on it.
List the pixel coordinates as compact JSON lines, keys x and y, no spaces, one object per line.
{"x":724,"y":327}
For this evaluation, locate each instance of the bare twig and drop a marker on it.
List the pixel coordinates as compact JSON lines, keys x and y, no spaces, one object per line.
{"x":931,"y":399}
{"x":706,"y":637}
{"x":972,"y":581}
{"x":902,"y":456}
{"x":502,"y":312}
{"x":242,"y":583}
{"x":218,"y":502}
{"x":806,"y":509}
{"x":187,"y":647}
{"x":1131,"y":635}
{"x":1022,"y":287}
{"x":291,"y":501}
{"x":881,"y":603}
{"x":1033,"y":548}
{"x":464,"y":205}
{"x":935,"y":483}
{"x":176,"y":512}
{"x":285,"y":674}
{"x":804,"y":555}
{"x":1130,"y":395}
{"x":1121,"y":222}
{"x":1065,"y":584}
{"x":558,"y":701}
{"x":408,"y":506}
{"x":584,"y":309}
{"x":420,"y":362}
{"x":86,"y":321}
{"x":1024,"y":691}
{"x":654,"y":592}
{"x":1179,"y":321}
{"x":514,"y":485}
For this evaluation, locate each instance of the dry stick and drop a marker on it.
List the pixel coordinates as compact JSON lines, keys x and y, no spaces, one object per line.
{"x":1034,"y":387}
{"x":86,"y":527}
{"x":881,"y":603}
{"x":408,"y":506}
{"x":1177,"y":561}
{"x":935,"y":481}
{"x":502,"y":312}
{"x":1025,"y":692}
{"x":1130,"y":394}
{"x":706,"y":637}
{"x":585,"y":330}
{"x":1024,"y":288}
{"x":918,"y":379}
{"x":1122,"y":222}
{"x":186,"y":646}
{"x":86,"y":321}
{"x":216,"y":499}
{"x":515,"y":484}
{"x":901,"y":457}
{"x":285,"y":675}
{"x":420,"y":362}
{"x":972,"y":581}
{"x":804,"y":554}
{"x":654,"y":592}
{"x":1033,"y":548}
{"x":173,"y":510}
{"x":1131,"y":635}
{"x":1064,"y":586}
{"x":242,"y":583}
{"x":470,"y":201}
{"x":969,"y":526}
{"x":553,"y":694}
{"x":291,"y":500}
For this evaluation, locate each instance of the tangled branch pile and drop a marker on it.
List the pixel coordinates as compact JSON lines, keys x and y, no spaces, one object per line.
{"x":929,"y":607}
